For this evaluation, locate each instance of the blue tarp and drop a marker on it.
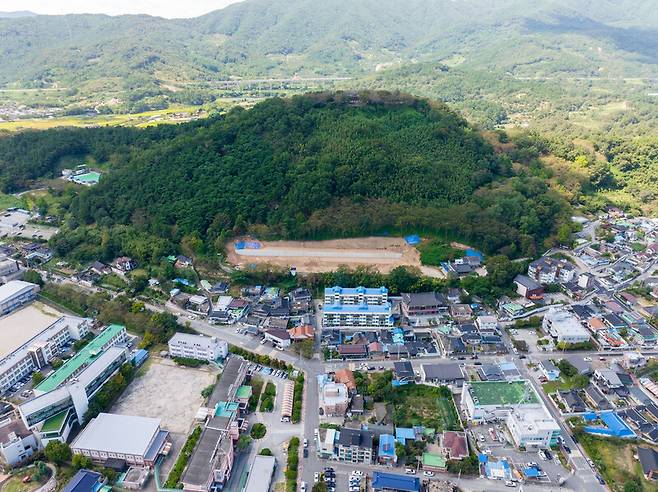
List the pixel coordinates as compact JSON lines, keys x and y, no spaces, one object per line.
{"x":483,"y":458}
{"x":614,"y":425}
{"x":247,"y":245}
{"x":391,"y":481}
{"x":412,"y":239}
{"x":472,"y":252}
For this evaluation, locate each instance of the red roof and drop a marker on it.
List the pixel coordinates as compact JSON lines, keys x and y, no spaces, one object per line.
{"x":455,"y":443}
{"x":346,"y":377}
{"x":351,"y":349}
{"x":301,"y":332}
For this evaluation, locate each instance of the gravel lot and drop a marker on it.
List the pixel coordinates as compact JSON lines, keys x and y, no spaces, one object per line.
{"x":168,"y":392}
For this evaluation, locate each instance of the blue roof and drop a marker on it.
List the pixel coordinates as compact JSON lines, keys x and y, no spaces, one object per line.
{"x":404,"y":433}
{"x":386,"y":445}
{"x":391,"y":481}
{"x":355,"y":290}
{"x":472,"y":252}
{"x":358,"y":308}
{"x":140,"y":356}
{"x":614,"y":425}
{"x":83,"y":481}
{"x":531,"y":472}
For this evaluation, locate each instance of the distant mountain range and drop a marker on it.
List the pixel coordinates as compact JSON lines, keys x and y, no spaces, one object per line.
{"x":542,"y":38}
{"x":17,"y":13}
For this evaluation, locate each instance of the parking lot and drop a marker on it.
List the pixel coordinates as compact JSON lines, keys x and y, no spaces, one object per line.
{"x":15,"y":224}
{"x":166,"y":391}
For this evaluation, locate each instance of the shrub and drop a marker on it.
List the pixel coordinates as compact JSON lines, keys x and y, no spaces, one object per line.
{"x":177,"y":470}
{"x":258,"y":431}
{"x":189,"y":362}
{"x":293,"y":462}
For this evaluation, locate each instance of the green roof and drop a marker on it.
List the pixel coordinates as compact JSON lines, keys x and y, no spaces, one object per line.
{"x":90,"y":177}
{"x":55,"y":423}
{"x":502,"y":392}
{"x":243,"y":392}
{"x":436,"y":460}
{"x":83,"y":358}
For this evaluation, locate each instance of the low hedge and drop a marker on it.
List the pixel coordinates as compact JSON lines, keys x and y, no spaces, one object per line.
{"x":177,"y":470}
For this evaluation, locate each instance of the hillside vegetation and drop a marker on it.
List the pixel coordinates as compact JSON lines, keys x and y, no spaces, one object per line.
{"x":135,"y":62}
{"x":317,"y":166}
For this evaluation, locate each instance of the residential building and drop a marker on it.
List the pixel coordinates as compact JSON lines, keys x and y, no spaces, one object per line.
{"x":15,"y":294}
{"x":325,"y":442}
{"x":136,"y":440}
{"x":346,"y":377}
{"x":301,"y":332}
{"x":649,"y":460}
{"x":549,"y":370}
{"x":455,"y":445}
{"x":355,"y":296}
{"x":596,"y":399}
{"x":355,"y":446}
{"x":85,"y":481}
{"x":547,"y":270}
{"x":197,"y":347}
{"x":17,"y":442}
{"x":404,"y":372}
{"x":528,"y":288}
{"x":360,"y":316}
{"x":444,"y":373}
{"x":300,"y":300}
{"x":278,"y":337}
{"x":260,"y":474}
{"x":334,"y":399}
{"x":30,"y":340}
{"x":572,"y":401}
{"x":607,"y":380}
{"x":386,"y":450}
{"x":564,"y":327}
{"x":417,"y":308}
{"x":487,"y":324}
{"x":359,"y":351}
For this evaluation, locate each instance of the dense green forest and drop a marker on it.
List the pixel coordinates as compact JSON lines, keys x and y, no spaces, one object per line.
{"x":315,"y":166}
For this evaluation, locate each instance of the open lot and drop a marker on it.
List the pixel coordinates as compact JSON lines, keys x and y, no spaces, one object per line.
{"x":615,"y":459}
{"x":15,"y":224}
{"x":168,"y":392}
{"x":383,"y":253}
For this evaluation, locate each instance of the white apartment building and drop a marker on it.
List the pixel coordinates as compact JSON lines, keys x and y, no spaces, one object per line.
{"x":358,"y":295}
{"x":357,"y":316}
{"x":17,"y":442}
{"x":548,"y":270}
{"x":27,"y":347}
{"x":197,"y":347}
{"x":564,"y":326}
{"x":16,"y":293}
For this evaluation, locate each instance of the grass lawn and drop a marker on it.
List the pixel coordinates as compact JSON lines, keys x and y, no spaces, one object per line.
{"x":565,"y":384}
{"x":424,"y":405}
{"x":7,"y":201}
{"x":15,"y":484}
{"x":614,"y":459}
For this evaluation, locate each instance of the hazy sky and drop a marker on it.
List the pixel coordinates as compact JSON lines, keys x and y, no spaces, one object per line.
{"x":163,"y":8}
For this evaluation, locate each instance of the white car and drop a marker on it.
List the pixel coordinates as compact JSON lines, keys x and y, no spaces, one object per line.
{"x":305,"y":443}
{"x":316,"y":477}
{"x":302,"y":487}
{"x":410,"y":471}
{"x":428,"y":473}
{"x":357,"y":472}
{"x":587,"y":359}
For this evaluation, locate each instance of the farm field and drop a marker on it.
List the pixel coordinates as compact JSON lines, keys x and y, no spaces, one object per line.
{"x":383,"y":253}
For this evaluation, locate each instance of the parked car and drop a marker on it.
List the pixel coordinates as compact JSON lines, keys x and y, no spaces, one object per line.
{"x":410,"y":471}
{"x":428,"y":473}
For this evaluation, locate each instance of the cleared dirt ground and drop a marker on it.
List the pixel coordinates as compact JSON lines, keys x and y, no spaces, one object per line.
{"x":383,"y":253}
{"x":168,"y":392}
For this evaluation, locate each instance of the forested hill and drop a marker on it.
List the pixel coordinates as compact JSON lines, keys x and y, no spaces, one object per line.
{"x":315,"y":166}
